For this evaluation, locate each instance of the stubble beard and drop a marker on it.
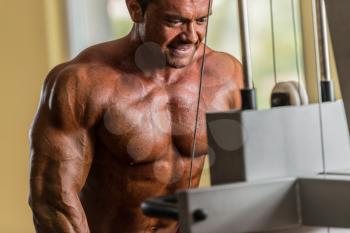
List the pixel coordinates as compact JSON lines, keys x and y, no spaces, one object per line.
{"x":178,"y":63}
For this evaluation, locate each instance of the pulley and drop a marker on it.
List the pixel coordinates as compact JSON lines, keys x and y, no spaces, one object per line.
{"x":289,"y":93}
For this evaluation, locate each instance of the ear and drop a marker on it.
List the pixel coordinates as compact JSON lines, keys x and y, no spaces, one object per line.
{"x":135,"y":11}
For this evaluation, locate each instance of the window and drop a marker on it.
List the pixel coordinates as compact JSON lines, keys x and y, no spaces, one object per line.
{"x":88,"y":24}
{"x":119,"y":18}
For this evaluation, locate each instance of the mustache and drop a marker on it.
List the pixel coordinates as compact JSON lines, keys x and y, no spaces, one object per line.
{"x":182,"y":44}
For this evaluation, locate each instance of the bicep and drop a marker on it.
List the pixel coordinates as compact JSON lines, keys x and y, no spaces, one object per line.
{"x":61,"y":145}
{"x":60,"y":160}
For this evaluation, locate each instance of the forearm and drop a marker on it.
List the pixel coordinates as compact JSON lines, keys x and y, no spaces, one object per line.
{"x":59,"y":216}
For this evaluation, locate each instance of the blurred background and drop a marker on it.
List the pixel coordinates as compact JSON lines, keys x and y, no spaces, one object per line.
{"x":38,"y":34}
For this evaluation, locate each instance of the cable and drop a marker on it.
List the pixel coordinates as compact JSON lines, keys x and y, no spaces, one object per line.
{"x":318,"y":75}
{"x":272,"y":22}
{"x":296,"y":45}
{"x":199,"y":99}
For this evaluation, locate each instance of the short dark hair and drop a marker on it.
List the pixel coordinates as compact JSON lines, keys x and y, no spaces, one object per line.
{"x":144,"y":4}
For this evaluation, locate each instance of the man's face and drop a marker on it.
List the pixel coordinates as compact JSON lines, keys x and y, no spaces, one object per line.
{"x":177,"y":26}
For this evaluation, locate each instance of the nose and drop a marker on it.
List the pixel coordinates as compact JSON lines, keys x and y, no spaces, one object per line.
{"x":190,"y":33}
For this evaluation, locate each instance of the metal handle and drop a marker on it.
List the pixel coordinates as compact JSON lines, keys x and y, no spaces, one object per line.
{"x":248,"y":92}
{"x":162,"y":207}
{"x":245,"y":44}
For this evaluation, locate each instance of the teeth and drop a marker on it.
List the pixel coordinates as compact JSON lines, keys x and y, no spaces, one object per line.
{"x":182,"y":49}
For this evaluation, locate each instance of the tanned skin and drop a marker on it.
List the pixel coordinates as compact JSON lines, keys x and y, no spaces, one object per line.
{"x":115,"y":127}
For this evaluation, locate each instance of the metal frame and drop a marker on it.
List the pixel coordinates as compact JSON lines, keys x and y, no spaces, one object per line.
{"x":286,"y":141}
{"x":277,"y":205}
{"x":268,"y":201}
{"x":274,"y":205}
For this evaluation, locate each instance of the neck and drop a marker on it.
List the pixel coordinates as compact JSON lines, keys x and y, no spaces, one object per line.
{"x":134,"y":35}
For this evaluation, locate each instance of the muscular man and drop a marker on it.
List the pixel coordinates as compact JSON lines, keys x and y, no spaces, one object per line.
{"x":115,"y":125}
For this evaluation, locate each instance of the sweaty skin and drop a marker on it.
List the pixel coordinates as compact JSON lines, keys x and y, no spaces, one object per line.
{"x":115,"y":125}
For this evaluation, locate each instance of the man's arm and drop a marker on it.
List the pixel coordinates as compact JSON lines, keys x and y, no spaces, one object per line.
{"x":61,"y":154}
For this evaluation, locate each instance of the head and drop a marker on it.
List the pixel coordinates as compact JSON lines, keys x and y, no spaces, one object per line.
{"x":178,"y":27}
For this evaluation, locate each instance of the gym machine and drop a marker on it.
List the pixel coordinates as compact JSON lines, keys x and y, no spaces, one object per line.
{"x":286,"y":169}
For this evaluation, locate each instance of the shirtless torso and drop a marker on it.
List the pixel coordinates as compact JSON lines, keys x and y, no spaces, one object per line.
{"x":107,"y":136}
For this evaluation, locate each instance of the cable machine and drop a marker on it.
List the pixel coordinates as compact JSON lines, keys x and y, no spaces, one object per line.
{"x":292,"y":166}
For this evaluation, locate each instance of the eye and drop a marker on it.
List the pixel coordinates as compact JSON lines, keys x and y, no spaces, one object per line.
{"x":202,"y":20}
{"x":173,"y":21}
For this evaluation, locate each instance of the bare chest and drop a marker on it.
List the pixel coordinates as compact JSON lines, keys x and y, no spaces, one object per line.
{"x":144,"y":127}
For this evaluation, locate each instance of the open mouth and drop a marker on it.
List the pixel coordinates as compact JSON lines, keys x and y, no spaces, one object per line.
{"x":181,"y":50}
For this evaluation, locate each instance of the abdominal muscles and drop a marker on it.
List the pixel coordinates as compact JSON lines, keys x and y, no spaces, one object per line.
{"x":115,"y":190}
{"x":142,"y":151}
